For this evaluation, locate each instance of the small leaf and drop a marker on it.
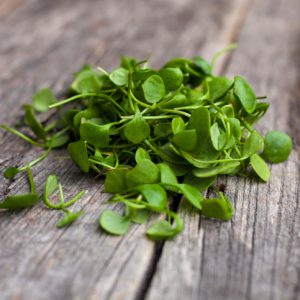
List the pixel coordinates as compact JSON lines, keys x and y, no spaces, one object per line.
{"x":33,"y":122}
{"x":154,"y":89}
{"x":136,"y":130}
{"x":50,"y":186}
{"x":177,"y":125}
{"x":205,"y":67}
{"x":192,"y":194}
{"x":42,"y":99}
{"x":87,"y":81}
{"x":68,"y":219}
{"x":260,"y":167}
{"x":141,"y":154}
{"x":245,"y":94}
{"x":218,"y":87}
{"x":224,"y":168}
{"x":119,"y":76}
{"x":253,"y":144}
{"x":58,"y":141}
{"x":217,"y":208}
{"x":10,"y":172}
{"x":113,"y":223}
{"x":154,"y":194}
{"x":140,"y":216}
{"x":115,"y":181}
{"x":161,"y":230}
{"x":172,"y":78}
{"x":186,"y":139}
{"x":79,"y":155}
{"x":278,"y":146}
{"x":19,"y":201}
{"x":97,"y":135}
{"x":167,"y":175}
{"x":201,"y":184}
{"x":144,"y":172}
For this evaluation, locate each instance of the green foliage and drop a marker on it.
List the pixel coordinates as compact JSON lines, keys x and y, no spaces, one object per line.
{"x":278,"y":146}
{"x":153,"y":134}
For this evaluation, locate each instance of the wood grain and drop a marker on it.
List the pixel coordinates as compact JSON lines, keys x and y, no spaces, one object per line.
{"x":257,"y":254}
{"x":45,"y":41}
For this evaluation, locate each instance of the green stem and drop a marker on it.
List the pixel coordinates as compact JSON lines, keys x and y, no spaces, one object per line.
{"x":72,"y":99}
{"x":30,"y":178}
{"x":22,"y":136}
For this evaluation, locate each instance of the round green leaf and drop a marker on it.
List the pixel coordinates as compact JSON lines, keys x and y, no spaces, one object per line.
{"x":119,"y":76}
{"x":137,"y":130}
{"x":154,"y":89}
{"x":113,"y":223}
{"x":278,"y":146}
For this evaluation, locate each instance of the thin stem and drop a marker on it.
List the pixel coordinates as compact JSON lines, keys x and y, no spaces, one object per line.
{"x":138,"y":101}
{"x":72,"y":99}
{"x":30,"y":178}
{"x":37,"y":160}
{"x":74,"y":199}
{"x":22,"y":136}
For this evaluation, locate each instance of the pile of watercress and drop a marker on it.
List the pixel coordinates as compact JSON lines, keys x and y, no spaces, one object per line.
{"x":153,"y":134}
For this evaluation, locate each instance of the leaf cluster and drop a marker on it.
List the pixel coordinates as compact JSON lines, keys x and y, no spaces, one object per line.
{"x":155,"y":133}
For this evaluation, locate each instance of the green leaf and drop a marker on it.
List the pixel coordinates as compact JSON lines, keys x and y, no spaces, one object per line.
{"x":245,"y":94}
{"x":218,"y":138}
{"x":68,"y":219}
{"x":177,"y":125}
{"x":42,"y":99}
{"x":89,"y":113}
{"x":253,"y":144}
{"x":144,"y":172}
{"x":115,"y":181}
{"x":19,"y":201}
{"x":260,"y":167}
{"x":50,"y":186}
{"x":87,"y":81}
{"x":186,"y":139}
{"x":58,"y":140}
{"x":200,"y":121}
{"x":119,"y":76}
{"x":218,"y":87}
{"x":10,"y":172}
{"x":162,"y":230}
{"x":192,"y":194}
{"x":172,"y":78}
{"x":278,"y":146}
{"x":217,"y":208}
{"x":97,"y":135}
{"x":78,"y":153}
{"x":224,"y":168}
{"x":155,"y":195}
{"x":205,"y":67}
{"x":154,"y":89}
{"x":201,"y":184}
{"x":32,"y":121}
{"x":141,"y":216}
{"x":137,"y":130}
{"x":141,"y":154}
{"x":113,"y":223}
{"x":167,"y":175}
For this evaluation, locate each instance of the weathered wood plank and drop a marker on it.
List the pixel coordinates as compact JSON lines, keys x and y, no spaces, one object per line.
{"x":257,"y":254}
{"x":44,"y":42}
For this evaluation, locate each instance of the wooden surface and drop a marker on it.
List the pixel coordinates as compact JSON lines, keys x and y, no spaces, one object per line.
{"x":255,"y":256}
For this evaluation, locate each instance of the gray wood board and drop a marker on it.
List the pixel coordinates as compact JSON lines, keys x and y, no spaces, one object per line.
{"x":43,"y":43}
{"x":257,"y":254}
